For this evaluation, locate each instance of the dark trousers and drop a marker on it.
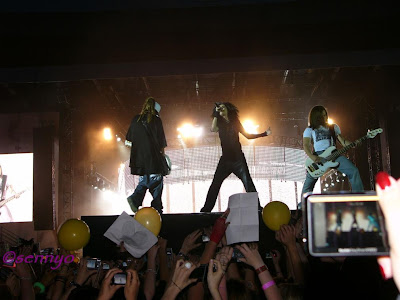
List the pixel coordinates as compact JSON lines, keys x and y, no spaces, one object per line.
{"x":154,"y":183}
{"x":224,"y":169}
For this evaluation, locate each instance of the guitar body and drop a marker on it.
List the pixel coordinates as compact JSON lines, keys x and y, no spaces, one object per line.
{"x":317,"y":170}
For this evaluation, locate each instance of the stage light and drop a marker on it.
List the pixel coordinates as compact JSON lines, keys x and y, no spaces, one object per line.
{"x":188,"y":130}
{"x":107,"y":134}
{"x":330,"y":121}
{"x":118,"y":139}
{"x":250,"y":127}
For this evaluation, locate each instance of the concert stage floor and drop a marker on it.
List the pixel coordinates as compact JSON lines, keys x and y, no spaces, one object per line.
{"x":175,"y":227}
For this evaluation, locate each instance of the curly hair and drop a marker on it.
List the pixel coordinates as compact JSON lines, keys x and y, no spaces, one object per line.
{"x":315,"y":117}
{"x":148,"y":109}
{"x":233,"y":111}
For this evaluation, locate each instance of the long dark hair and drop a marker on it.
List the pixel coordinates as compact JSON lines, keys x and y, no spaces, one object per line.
{"x":315,"y":117}
{"x":148,"y":109}
{"x":233,"y":112}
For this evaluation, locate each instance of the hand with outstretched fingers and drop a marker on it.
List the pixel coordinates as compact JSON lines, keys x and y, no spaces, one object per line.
{"x":224,"y":256}
{"x":189,"y":243}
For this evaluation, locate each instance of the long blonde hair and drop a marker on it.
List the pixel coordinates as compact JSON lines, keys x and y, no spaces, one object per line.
{"x":148,"y":109}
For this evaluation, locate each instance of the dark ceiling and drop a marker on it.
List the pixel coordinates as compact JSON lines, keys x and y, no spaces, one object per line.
{"x":282,"y":56}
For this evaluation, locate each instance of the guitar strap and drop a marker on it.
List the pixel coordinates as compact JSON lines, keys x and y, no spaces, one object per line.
{"x":333,"y":133}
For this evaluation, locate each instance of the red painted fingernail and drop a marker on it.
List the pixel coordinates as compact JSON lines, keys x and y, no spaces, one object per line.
{"x":382,"y":178}
{"x":382,"y":272}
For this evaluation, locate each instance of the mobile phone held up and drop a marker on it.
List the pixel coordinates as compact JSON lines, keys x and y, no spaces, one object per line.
{"x":344,"y":224}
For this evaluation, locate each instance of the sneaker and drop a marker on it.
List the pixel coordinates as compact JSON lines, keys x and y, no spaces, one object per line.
{"x":133,"y":207}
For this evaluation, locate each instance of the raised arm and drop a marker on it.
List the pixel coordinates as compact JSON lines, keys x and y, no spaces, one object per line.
{"x":251,"y":136}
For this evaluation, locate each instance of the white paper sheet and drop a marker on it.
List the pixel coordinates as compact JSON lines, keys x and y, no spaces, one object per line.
{"x":137,"y":239}
{"x":243,"y":218}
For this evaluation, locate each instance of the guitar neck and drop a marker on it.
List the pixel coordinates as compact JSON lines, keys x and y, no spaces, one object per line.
{"x":4,"y":202}
{"x":336,"y":154}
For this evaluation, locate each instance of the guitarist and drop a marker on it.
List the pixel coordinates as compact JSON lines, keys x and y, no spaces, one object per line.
{"x":322,"y":136}
{"x":5,"y":213}
{"x":146,"y":133}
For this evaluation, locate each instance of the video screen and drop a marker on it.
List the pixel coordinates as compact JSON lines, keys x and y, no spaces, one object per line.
{"x":16,"y":187}
{"x":345,"y":225}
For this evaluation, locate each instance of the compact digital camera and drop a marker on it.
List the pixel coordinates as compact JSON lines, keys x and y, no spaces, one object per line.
{"x":344,"y":224}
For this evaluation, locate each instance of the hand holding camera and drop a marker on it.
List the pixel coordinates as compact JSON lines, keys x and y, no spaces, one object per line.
{"x":84,"y":272}
{"x":108,"y":288}
{"x":131,"y":289}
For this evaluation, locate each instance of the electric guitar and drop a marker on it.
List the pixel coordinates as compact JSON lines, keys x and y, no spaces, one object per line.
{"x":17,"y":195}
{"x":167,"y":159}
{"x":316,"y":170}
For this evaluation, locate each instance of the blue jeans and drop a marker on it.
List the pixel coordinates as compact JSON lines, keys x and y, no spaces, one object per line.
{"x":154,"y":183}
{"x":346,"y":167}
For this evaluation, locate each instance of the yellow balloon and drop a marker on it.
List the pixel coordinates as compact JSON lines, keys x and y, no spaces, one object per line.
{"x":275,"y":214}
{"x":74,"y":234}
{"x":149,"y":218}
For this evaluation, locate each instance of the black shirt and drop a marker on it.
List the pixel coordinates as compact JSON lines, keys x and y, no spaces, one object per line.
{"x":145,"y":152}
{"x":229,"y":136}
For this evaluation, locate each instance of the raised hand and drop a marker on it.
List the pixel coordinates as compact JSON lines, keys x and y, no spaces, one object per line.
{"x":131,"y":289}
{"x":251,"y":256}
{"x":219,"y":227}
{"x":214,"y":278}
{"x":180,"y":278}
{"x":268,"y":131}
{"x":286,"y":235}
{"x":224,"y":257}
{"x":189,"y":243}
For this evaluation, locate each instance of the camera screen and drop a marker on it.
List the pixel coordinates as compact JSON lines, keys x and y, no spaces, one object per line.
{"x":119,"y":278}
{"x":345,"y":224}
{"x":93,"y":263}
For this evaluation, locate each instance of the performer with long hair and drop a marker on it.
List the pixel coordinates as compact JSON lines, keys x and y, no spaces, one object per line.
{"x":320,"y":136}
{"x":146,"y":133}
{"x":226,"y":123}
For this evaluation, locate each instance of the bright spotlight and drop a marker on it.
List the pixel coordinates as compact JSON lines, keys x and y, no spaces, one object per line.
{"x":330,"y":121}
{"x":250,"y":127}
{"x":188,"y":130}
{"x":118,"y":139}
{"x":107,"y":133}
